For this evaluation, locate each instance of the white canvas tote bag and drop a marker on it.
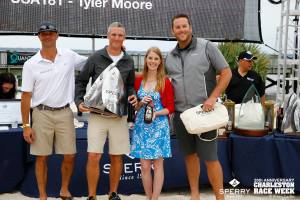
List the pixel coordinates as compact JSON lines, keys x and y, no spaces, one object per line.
{"x":197,"y":121}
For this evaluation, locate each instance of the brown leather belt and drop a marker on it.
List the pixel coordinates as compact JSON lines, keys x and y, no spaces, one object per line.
{"x":103,"y":113}
{"x":43,"y":107}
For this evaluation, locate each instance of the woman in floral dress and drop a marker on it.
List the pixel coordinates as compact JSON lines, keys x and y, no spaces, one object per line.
{"x":151,"y":142}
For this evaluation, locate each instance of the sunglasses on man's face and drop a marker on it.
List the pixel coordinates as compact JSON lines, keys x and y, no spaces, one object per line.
{"x":47,"y":27}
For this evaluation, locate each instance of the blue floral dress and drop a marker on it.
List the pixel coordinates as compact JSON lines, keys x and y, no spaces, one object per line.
{"x":151,"y":141}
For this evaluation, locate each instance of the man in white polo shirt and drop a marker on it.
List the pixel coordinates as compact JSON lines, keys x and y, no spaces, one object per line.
{"x":48,"y":87}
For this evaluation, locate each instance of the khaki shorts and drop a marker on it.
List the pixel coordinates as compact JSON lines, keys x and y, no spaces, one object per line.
{"x":116,"y":129}
{"x":53,"y":128}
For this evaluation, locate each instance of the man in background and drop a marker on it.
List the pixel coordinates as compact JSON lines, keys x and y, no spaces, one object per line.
{"x":243,"y":77}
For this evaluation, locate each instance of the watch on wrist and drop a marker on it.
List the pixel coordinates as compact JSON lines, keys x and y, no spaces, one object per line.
{"x":25,"y":126}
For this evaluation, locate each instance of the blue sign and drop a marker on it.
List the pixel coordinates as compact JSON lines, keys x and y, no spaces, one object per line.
{"x":16,"y":58}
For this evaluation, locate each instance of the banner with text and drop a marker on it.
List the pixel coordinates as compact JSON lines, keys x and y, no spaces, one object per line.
{"x":18,"y":58}
{"x":217,"y":20}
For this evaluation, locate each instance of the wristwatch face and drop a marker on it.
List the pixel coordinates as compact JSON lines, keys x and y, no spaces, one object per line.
{"x":25,"y":125}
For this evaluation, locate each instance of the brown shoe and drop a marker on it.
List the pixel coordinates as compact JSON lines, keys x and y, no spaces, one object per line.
{"x":91,"y":198}
{"x":66,"y":198}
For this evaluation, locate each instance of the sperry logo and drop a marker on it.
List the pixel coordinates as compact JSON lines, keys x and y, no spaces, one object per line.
{"x":234,"y":182}
{"x":202,"y":112}
{"x":234,"y":191}
{"x":111,"y":92}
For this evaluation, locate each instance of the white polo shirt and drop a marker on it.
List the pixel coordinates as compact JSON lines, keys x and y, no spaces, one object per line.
{"x":52,"y":83}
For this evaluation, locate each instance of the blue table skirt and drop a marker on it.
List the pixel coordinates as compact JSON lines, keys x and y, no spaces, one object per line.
{"x":288,"y":150}
{"x":268,"y":157}
{"x":12,"y":162}
{"x":247,"y":158}
{"x":254,"y":157}
{"x":175,"y":175}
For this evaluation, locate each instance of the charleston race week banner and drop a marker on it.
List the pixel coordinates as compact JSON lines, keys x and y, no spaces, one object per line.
{"x":217,"y":20}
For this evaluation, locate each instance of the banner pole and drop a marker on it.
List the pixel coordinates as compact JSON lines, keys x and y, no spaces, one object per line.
{"x":93,"y":45}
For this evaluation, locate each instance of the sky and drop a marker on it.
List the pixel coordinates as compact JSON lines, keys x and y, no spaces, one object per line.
{"x":270,"y":20}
